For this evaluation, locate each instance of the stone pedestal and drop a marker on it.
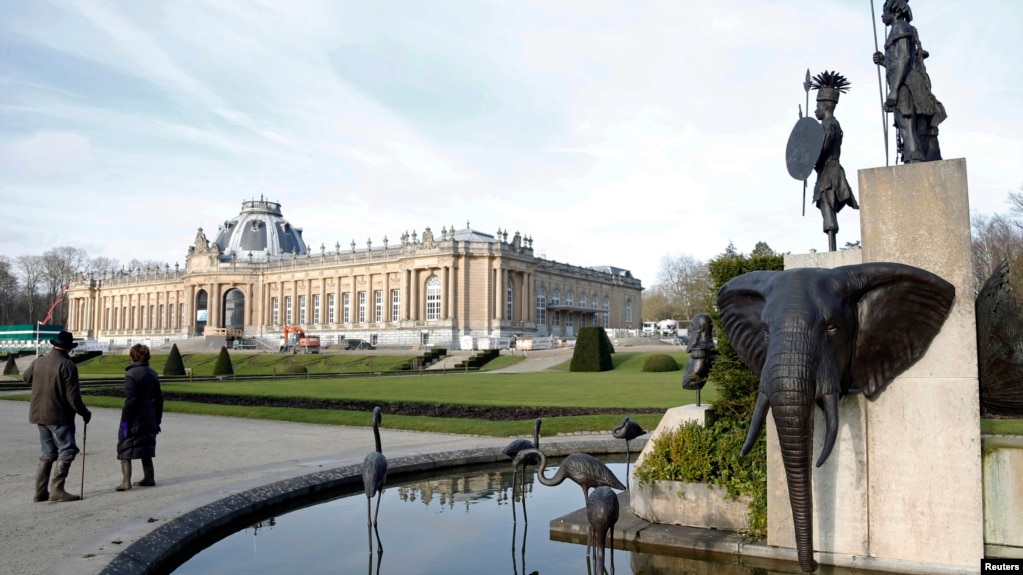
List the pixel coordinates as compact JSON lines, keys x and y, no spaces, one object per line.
{"x":673,"y":418}
{"x":903,"y":483}
{"x":923,"y":433}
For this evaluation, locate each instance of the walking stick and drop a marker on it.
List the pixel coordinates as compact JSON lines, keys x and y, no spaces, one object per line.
{"x":85,"y":434}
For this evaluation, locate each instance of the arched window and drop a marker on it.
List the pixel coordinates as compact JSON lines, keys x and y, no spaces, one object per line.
{"x":433,"y":298}
{"x":582,"y":299}
{"x":593,"y":304}
{"x":556,"y":297}
{"x":628,"y":312}
{"x":234,"y":309}
{"x":510,"y":301}
{"x":569,"y":298}
{"x":541,"y":306}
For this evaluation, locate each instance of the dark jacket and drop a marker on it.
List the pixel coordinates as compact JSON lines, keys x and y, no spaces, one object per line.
{"x":56,"y":396}
{"x":143,"y":412}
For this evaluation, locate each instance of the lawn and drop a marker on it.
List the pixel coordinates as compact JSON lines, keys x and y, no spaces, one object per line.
{"x":627,"y":386}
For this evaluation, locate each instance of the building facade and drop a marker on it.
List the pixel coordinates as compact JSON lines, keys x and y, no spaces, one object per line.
{"x":258,"y":275}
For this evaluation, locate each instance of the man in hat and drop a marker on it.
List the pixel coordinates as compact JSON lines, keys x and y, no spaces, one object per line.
{"x":831,"y":192}
{"x":56,"y":398}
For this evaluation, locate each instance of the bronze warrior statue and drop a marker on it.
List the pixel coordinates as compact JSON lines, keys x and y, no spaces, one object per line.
{"x":831,"y":192}
{"x":917,"y":111}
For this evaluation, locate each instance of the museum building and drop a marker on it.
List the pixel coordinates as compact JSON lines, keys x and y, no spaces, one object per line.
{"x":259,"y":275}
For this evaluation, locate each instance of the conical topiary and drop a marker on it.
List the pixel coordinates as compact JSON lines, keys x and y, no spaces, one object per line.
{"x":12,"y":366}
{"x":223,"y":365}
{"x":592,"y":351}
{"x":174,"y":365}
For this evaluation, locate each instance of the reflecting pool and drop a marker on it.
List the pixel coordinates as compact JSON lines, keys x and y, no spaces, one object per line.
{"x":458,"y":521}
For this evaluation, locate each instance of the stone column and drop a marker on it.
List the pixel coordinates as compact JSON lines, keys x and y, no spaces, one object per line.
{"x":444,"y":286}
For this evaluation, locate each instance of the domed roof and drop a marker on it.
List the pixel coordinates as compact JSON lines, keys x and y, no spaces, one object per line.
{"x":261,"y":230}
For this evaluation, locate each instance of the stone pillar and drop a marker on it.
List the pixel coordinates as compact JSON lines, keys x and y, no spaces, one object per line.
{"x":923,"y":432}
{"x":444,"y":285}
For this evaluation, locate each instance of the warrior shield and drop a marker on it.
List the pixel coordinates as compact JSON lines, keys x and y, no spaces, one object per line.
{"x":804,"y":147}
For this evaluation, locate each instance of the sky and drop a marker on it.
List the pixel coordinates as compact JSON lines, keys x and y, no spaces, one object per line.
{"x":611,"y":132}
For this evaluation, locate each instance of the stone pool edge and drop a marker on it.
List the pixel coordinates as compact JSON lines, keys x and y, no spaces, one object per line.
{"x":157,"y":545}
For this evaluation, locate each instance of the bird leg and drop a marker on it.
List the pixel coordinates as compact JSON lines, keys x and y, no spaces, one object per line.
{"x":380,"y":546}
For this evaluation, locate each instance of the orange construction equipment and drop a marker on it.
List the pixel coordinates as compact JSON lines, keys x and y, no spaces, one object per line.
{"x":295,"y":337}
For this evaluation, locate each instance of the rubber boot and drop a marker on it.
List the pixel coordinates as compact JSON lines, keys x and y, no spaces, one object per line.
{"x":42,"y":480}
{"x":147,"y":473}
{"x":125,"y":476}
{"x":57,"y":492}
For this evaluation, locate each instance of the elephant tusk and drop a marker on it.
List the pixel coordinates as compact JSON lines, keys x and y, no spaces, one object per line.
{"x":831,"y":424}
{"x":756,"y":424}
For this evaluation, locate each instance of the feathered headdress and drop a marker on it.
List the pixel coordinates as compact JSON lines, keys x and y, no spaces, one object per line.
{"x":829,"y":85}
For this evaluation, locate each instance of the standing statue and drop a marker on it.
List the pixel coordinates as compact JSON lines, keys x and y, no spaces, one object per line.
{"x":831,"y":192}
{"x":701,"y":350}
{"x":917,"y":111}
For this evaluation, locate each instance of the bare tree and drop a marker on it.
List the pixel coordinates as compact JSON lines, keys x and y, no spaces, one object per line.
{"x":102,"y":264}
{"x":997,"y":238}
{"x":60,"y":265}
{"x":8,"y":290}
{"x":31,"y":269}
{"x":685,"y":282}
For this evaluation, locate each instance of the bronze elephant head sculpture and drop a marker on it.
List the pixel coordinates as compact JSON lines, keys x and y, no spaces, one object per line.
{"x":813,"y":335}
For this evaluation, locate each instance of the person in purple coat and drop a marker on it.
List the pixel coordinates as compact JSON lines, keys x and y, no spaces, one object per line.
{"x":140,"y":418}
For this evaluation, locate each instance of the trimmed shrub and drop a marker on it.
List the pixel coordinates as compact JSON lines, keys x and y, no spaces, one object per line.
{"x":294,"y":369}
{"x":12,"y":366}
{"x":660,"y":362}
{"x":175,"y":365}
{"x":223,"y":365}
{"x":592,"y":351}
{"x":607,"y":340}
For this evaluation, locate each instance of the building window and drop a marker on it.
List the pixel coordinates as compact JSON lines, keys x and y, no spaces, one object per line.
{"x":433,"y":298}
{"x":331,"y":308}
{"x":160,"y":317}
{"x":582,"y":300}
{"x":378,"y":306}
{"x":628,"y":312}
{"x":316,"y":308}
{"x":607,"y":312}
{"x":510,"y":307}
{"x":275,"y":306}
{"x":557,"y":320}
{"x":362,"y":307}
{"x":170,"y":317}
{"x":569,"y":298}
{"x":556,"y":297}
{"x":288,"y":308}
{"x":346,"y":308}
{"x":593,"y":303}
{"x":395,"y":305}
{"x":541,"y":306}
{"x":569,"y":319}
{"x":302,"y":318}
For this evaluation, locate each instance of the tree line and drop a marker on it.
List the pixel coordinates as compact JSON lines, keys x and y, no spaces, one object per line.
{"x":30,"y":284}
{"x":684,"y":288}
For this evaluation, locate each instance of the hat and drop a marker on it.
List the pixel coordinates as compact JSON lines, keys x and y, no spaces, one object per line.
{"x":64,"y":340}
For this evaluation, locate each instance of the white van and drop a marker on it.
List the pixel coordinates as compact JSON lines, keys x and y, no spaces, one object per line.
{"x":649,"y":328}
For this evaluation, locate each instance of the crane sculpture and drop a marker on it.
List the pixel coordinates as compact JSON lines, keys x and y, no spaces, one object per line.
{"x":627,"y":430}
{"x":585,"y":470}
{"x":374,"y":475}
{"x":602,"y":513}
{"x":513,"y":449}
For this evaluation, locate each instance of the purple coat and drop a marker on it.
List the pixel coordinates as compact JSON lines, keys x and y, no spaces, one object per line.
{"x":143,"y":412}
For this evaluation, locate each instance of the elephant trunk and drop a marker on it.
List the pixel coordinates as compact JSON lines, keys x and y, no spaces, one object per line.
{"x":791,"y":389}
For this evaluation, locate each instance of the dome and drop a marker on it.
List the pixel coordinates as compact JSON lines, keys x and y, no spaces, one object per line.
{"x":261,"y":230}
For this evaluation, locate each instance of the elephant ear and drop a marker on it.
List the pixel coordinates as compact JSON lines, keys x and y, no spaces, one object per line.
{"x":900,"y":310}
{"x":741,"y":301}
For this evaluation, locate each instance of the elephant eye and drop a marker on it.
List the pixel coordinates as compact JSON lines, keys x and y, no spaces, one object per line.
{"x":832,"y":329}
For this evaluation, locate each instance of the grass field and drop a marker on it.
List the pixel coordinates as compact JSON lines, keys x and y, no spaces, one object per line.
{"x":627,"y":386}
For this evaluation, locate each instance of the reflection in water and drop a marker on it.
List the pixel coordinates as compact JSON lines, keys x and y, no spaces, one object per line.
{"x":455,"y":524}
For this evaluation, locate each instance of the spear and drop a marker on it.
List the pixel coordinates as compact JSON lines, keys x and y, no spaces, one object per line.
{"x":880,"y":89}
{"x":806,"y":88}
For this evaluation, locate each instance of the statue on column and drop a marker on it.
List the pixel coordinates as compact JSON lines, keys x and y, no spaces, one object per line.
{"x":917,"y":111}
{"x":831,"y":192}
